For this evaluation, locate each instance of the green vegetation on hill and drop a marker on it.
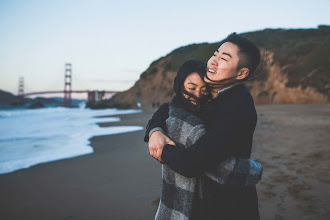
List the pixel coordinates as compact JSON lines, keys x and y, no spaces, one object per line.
{"x":304,"y":52}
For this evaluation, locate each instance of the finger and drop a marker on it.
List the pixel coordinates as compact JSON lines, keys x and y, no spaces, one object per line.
{"x":151,"y":151}
{"x":159,"y":155}
{"x":155,"y":154}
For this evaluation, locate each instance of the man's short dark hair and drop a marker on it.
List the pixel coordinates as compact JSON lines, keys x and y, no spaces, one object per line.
{"x":249,"y":54}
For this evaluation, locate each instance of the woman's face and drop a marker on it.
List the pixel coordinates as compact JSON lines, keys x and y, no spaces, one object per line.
{"x":195,"y":85}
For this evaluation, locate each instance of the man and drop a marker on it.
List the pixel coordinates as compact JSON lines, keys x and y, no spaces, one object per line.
{"x":231,"y":118}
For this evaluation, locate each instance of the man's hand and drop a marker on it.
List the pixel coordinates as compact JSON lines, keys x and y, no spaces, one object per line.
{"x":157,"y":141}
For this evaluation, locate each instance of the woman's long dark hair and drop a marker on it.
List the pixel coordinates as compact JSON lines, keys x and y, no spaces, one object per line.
{"x":188,"y":67}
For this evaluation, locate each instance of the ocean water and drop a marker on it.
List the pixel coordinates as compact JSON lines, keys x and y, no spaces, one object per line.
{"x":32,"y":136}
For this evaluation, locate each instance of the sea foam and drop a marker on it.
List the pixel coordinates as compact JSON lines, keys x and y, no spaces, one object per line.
{"x":30,"y":137}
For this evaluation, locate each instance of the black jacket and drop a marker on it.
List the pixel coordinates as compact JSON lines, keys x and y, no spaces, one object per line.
{"x":231,"y":119}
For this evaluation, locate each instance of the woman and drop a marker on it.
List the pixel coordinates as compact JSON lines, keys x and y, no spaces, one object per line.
{"x":181,"y":196}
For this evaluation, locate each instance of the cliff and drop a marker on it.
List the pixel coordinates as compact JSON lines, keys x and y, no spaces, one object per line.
{"x":299,"y":69}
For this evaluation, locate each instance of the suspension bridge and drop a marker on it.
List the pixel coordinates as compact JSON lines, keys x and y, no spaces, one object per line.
{"x":92,"y":96}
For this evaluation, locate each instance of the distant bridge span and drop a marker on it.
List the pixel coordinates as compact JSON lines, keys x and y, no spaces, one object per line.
{"x":93,"y":95}
{"x":62,"y":91}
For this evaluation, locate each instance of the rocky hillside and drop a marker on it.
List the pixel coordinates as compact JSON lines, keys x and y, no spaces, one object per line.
{"x":298,"y":72}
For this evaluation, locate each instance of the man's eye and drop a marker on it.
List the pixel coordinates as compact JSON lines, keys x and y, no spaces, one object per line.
{"x":192,"y":89}
{"x":223,"y":59}
{"x":214,"y":55}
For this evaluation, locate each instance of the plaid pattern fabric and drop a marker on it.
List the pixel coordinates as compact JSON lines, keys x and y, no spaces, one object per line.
{"x":178,"y":192}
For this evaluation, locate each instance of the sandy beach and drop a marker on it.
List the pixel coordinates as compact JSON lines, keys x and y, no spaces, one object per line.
{"x":121,"y":181}
{"x":292,"y":142}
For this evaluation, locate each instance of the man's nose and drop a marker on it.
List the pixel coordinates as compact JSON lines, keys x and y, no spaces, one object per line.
{"x":213,"y":62}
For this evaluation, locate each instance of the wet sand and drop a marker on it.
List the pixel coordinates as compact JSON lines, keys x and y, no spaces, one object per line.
{"x":293,"y":144}
{"x":121,"y":181}
{"x":117,"y":181}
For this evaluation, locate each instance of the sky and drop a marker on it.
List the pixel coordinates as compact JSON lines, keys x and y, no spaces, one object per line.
{"x":110,"y":43}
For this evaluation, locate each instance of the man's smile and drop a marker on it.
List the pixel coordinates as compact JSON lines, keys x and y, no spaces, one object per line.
{"x":211,"y":70}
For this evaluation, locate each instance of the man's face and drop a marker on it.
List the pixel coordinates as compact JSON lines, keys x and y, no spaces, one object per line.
{"x":223,"y":64}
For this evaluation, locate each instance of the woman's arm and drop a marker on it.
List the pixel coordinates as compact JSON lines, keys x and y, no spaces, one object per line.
{"x":232,"y":171}
{"x":157,"y":121}
{"x":237,"y":172}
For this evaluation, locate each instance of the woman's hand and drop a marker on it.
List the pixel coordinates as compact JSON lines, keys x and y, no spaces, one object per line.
{"x":157,"y":141}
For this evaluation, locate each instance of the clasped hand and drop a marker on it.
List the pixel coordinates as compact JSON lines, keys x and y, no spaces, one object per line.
{"x":157,"y":141}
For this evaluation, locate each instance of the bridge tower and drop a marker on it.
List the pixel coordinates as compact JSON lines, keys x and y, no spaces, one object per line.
{"x":67,"y":84}
{"x":21,"y":89}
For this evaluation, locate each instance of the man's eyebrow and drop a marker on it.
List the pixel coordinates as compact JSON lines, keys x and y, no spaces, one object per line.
{"x":224,"y":53}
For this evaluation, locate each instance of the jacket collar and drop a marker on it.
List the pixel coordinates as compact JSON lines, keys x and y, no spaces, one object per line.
{"x":220,"y":92}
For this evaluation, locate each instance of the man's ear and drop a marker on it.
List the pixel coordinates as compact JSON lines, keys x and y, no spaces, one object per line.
{"x":243,"y":73}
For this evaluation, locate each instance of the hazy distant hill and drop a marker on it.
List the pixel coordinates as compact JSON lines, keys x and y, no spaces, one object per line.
{"x":7,"y":98}
{"x":73,"y":101}
{"x":299,"y":70}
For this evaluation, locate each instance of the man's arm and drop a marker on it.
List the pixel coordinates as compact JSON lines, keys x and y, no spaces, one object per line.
{"x":208,"y":151}
{"x":233,"y":171}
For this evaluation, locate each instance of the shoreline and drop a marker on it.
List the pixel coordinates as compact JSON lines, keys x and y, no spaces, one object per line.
{"x":92,"y":186}
{"x":121,"y":181}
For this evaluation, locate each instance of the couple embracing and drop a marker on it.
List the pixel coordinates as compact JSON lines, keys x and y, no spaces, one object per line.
{"x":203,"y":138}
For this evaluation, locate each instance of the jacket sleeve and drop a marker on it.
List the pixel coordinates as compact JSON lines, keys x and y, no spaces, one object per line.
{"x":233,"y":171}
{"x":236,"y":172}
{"x":209,"y":150}
{"x":158,"y":120}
